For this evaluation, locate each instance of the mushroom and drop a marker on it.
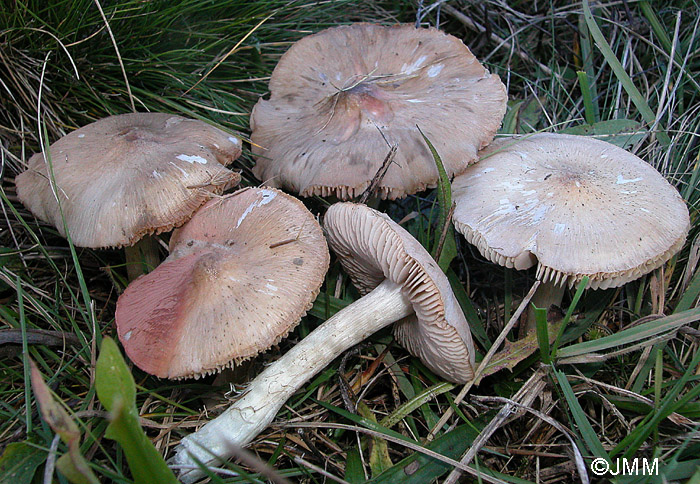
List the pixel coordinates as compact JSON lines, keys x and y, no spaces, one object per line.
{"x":573,"y":205}
{"x":401,"y":282}
{"x":128,"y":176}
{"x":339,"y":96}
{"x":241,"y":274}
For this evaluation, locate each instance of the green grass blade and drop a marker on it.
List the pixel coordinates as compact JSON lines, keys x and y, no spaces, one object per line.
{"x":588,"y":434}
{"x":619,"y":71}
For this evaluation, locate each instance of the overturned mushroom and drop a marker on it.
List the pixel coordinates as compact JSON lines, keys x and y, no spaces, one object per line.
{"x":575,"y":206}
{"x":339,"y":96}
{"x":402,"y":282}
{"x":124,"y":177}
{"x":240,"y":276}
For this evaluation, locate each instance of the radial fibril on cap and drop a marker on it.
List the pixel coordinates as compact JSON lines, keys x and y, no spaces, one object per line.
{"x":240,"y":276}
{"x":336,"y":95}
{"x":127,"y":176}
{"x":437,"y":333}
{"x":576,"y":206}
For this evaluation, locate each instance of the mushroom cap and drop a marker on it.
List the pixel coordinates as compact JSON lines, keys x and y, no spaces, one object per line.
{"x":574,"y":205}
{"x":372,"y":247}
{"x":241,"y":274}
{"x":127,"y":176}
{"x":336,"y":95}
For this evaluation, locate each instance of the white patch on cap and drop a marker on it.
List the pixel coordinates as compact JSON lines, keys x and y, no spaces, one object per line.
{"x":621,"y":179}
{"x":559,"y":228}
{"x":127,"y":336}
{"x":267,"y":197}
{"x":81,"y":136}
{"x":233,"y":140}
{"x":410,"y":69}
{"x":271,"y":287}
{"x":192,"y":159}
{"x":415,"y":100}
{"x":488,"y":170}
{"x":435,"y":70}
{"x":156,"y":174}
{"x":184,"y":173}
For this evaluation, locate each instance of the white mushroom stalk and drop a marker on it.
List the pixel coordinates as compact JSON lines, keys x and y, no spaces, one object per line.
{"x":265,"y":395}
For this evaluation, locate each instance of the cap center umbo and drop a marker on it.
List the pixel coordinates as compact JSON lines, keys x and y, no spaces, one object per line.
{"x":134,"y":134}
{"x":362,"y":99}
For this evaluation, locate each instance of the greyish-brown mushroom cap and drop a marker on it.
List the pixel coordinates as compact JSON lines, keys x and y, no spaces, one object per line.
{"x":576,"y":206}
{"x":372,"y":247}
{"x":332,"y":92}
{"x":241,"y":274}
{"x":127,"y":176}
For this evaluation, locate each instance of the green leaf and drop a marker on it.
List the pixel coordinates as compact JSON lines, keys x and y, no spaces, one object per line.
{"x":72,"y":465}
{"x":589,"y":435}
{"x":448,"y":250}
{"x":19,"y":462}
{"x":379,"y":459}
{"x":419,"y":400}
{"x":117,"y":393}
{"x":113,"y":379}
{"x":636,"y":334}
{"x":619,"y":71}
{"x":419,"y":468}
{"x":354,"y":473}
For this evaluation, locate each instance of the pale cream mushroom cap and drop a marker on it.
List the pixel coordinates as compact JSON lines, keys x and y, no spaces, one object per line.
{"x":241,"y":274}
{"x":332,"y":92}
{"x":576,"y":206}
{"x":127,"y":176}
{"x":372,"y":247}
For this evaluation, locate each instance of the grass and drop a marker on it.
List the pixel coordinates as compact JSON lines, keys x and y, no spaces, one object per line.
{"x":620,"y":383}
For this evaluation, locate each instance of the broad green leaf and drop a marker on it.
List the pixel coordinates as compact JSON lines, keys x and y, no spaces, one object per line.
{"x":379,"y":459}
{"x":117,"y":393}
{"x":113,"y":379}
{"x":19,"y":462}
{"x":354,"y":473}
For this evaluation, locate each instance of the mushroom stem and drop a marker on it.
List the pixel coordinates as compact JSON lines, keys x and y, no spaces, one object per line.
{"x":265,"y":395}
{"x":142,"y":257}
{"x":547,"y":295}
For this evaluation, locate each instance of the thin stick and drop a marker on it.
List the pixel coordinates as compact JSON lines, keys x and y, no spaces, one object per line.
{"x":482,"y":366}
{"x":323,"y":472}
{"x":379,"y":176}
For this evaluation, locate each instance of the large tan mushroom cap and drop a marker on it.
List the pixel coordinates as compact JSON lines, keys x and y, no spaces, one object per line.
{"x":127,"y":176}
{"x":332,"y":93}
{"x":575,"y":205}
{"x":240,"y":275}
{"x":371,"y":248}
